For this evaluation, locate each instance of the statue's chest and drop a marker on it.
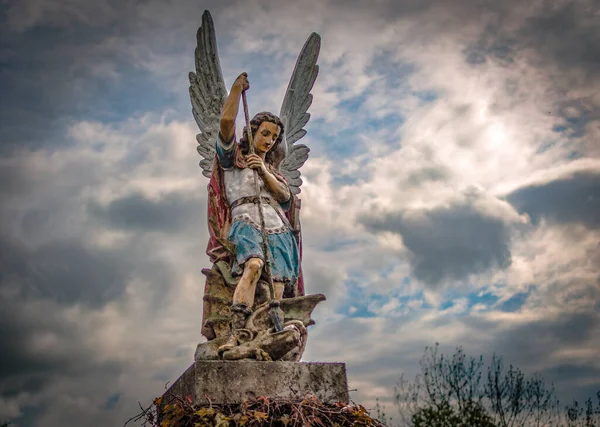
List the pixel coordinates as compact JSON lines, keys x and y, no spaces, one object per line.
{"x":240,"y":183}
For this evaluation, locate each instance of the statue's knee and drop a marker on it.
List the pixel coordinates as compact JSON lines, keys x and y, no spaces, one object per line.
{"x":255,"y":264}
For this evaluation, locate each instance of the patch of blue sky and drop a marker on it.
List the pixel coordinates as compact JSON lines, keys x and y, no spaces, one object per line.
{"x":396,"y":72}
{"x":385,"y":272}
{"x":575,"y":120}
{"x":351,"y":142}
{"x":515,"y":302}
{"x":341,"y":180}
{"x":365,"y":302}
{"x":400,"y":305}
{"x":390,"y":122}
{"x":267,"y":73}
{"x":427,"y":96}
{"x":566,"y":132}
{"x":573,"y":126}
{"x":545,"y":146}
{"x":570,"y":129}
{"x":486,"y":299}
{"x":424,"y":304}
{"x":352,"y":105}
{"x":347,"y":142}
{"x":447,"y":304}
{"x":134,"y":93}
{"x":112,"y":401}
{"x":397,"y":75}
{"x":342,"y":176}
{"x":356,"y":302}
{"x":342,"y":144}
{"x":346,"y":137}
{"x":559,"y":128}
{"x":480,"y":297}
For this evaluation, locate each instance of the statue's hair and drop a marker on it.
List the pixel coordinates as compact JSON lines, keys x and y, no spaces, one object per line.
{"x":264,"y":116}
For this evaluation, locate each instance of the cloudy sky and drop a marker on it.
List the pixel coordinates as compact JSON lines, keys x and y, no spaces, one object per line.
{"x":449,"y":196}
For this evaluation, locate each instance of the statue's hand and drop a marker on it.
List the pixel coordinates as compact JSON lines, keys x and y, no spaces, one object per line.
{"x":253,"y":161}
{"x":241,"y":82}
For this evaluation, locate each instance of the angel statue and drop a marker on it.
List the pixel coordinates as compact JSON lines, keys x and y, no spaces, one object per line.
{"x":254,"y":301}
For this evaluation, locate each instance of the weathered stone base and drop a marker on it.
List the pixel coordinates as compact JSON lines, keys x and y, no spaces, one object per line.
{"x":226,"y":382}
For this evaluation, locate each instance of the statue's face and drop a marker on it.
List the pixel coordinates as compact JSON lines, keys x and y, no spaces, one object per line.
{"x":265,"y":137}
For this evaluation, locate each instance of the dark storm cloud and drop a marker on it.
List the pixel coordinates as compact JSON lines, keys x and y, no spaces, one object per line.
{"x":25,"y":370}
{"x":450,"y":242}
{"x":574,"y":199}
{"x":563,"y":32}
{"x":37,"y":287}
{"x":491,"y":46}
{"x":562,"y":40}
{"x":40,"y":283}
{"x":42,"y":83}
{"x":67,"y":61}
{"x":528,"y":344}
{"x":568,"y":33}
{"x":55,"y":78}
{"x":571,"y":382}
{"x":136,"y":212}
{"x":28,"y":365}
{"x":75,"y":272}
{"x":67,"y":272}
{"x":14,"y":181}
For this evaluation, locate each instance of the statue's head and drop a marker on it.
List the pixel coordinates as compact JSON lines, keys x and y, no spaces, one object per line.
{"x":267,"y":134}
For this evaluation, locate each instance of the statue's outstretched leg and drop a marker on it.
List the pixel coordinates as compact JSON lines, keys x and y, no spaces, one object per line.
{"x":246,"y":287}
{"x":243,"y":300}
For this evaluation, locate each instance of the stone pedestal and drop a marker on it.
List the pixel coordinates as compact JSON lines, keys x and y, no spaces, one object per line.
{"x":236,"y":381}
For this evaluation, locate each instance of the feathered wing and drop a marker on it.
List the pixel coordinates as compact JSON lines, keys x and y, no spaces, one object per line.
{"x":294,"y":113}
{"x":207,"y":92}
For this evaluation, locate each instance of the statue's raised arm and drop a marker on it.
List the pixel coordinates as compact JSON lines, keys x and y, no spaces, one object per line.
{"x":253,"y":211}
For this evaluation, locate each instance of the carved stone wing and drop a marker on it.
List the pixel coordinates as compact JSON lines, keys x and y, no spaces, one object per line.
{"x":207,"y":92}
{"x":294,"y":113}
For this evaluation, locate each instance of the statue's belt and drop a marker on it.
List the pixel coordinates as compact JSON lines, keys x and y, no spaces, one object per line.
{"x":251,"y":199}
{"x":264,"y":199}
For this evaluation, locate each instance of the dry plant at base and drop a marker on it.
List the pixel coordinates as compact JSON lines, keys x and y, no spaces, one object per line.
{"x":263,"y":411}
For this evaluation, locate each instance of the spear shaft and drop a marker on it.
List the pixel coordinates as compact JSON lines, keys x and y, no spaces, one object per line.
{"x":261,"y":215}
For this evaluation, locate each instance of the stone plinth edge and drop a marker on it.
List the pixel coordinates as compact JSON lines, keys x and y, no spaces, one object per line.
{"x":228,"y":382}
